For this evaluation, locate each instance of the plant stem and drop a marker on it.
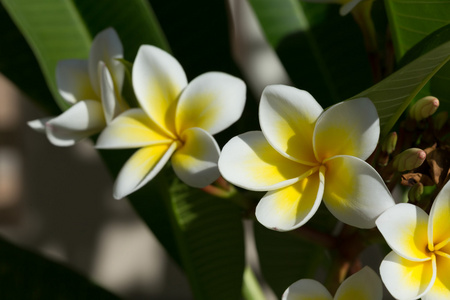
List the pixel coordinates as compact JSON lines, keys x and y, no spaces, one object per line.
{"x":251,"y":289}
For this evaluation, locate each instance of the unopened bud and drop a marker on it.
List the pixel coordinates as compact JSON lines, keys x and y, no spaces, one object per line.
{"x":389,"y":143}
{"x":424,"y":108}
{"x":409,"y":159}
{"x":415,"y":192}
{"x":440,"y":120}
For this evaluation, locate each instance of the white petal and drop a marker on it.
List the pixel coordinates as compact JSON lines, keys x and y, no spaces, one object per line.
{"x":347,"y":128}
{"x":354,"y":192}
{"x":83,"y":119}
{"x":39,"y":124}
{"x":142,"y":167}
{"x":72,"y":79}
{"x":347,"y":7}
{"x":291,"y":207}
{"x":131,"y":129}
{"x":287,"y":116}
{"x":306,"y":289}
{"x":365,"y":284}
{"x":106,"y":47}
{"x":439,"y":227}
{"x":404,"y":227}
{"x":212,"y":101}
{"x":112,"y":101}
{"x":248,"y":161}
{"x":158,"y":80}
{"x":195,"y":162}
{"x":407,"y":279}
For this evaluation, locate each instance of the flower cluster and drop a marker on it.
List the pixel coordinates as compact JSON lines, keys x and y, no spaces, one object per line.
{"x":302,"y":155}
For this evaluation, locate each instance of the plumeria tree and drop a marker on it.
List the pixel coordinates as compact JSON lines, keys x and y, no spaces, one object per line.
{"x":196,"y":149}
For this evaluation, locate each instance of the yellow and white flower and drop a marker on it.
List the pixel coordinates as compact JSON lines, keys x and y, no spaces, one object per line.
{"x":92,"y":89}
{"x":176,"y":120}
{"x":303,"y":154}
{"x":419,"y":265}
{"x":363,"y":285}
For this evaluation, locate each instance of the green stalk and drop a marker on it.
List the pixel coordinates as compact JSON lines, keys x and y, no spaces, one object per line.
{"x":251,"y":289}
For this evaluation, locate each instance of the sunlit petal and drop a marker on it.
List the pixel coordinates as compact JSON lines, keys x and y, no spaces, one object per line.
{"x":112,"y":101}
{"x":212,"y":101}
{"x":439,"y":227}
{"x":83,"y":119}
{"x":72,"y":79}
{"x":306,"y":289}
{"x":39,"y":124}
{"x":142,"y":167}
{"x":106,"y":47}
{"x":158,"y":79}
{"x":195,"y":162}
{"x":441,"y":287}
{"x":407,"y":279}
{"x":363,"y":285}
{"x":287,"y":116}
{"x":248,"y":161}
{"x":131,"y":129}
{"x":291,"y":207}
{"x":347,"y":128}
{"x":354,"y":192}
{"x":404,"y":227}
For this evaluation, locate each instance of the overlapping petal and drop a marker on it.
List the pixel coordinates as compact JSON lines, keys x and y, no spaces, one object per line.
{"x":132,"y":129}
{"x":287,"y":116}
{"x":439,"y":227}
{"x":112,"y":102}
{"x":39,"y":124}
{"x":441,"y":287}
{"x":250,"y":162}
{"x":292,"y":206}
{"x":80,"y":121}
{"x":364,"y":285}
{"x":158,"y":80}
{"x":72,"y":79}
{"x":347,"y":128}
{"x":141,"y":167}
{"x":405,"y":229}
{"x":106,"y":47}
{"x":212,"y":101}
{"x":407,"y":279}
{"x":195,"y":162}
{"x":354,"y":192}
{"x":306,"y":289}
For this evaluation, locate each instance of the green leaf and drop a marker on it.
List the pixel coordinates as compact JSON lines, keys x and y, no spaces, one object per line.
{"x":322,"y":52}
{"x":411,"y":20}
{"x":210,"y":238}
{"x":393,"y":95}
{"x":26,"y":275}
{"x":63,"y":29}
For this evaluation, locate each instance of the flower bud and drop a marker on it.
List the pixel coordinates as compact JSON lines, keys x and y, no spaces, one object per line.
{"x":415,"y":192}
{"x":409,"y":159}
{"x":440,"y":120}
{"x":424,"y":108}
{"x":389,"y":143}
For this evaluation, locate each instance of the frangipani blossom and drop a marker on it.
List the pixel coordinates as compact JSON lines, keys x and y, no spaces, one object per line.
{"x":363,"y":285}
{"x":303,"y":154}
{"x":419,"y":265}
{"x":92,"y":89}
{"x":346,"y":5}
{"x":176,"y":120}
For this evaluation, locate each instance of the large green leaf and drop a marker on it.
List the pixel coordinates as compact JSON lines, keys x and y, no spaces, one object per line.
{"x":322,"y":51}
{"x":210,"y":238}
{"x":26,"y":275}
{"x":393,"y":95}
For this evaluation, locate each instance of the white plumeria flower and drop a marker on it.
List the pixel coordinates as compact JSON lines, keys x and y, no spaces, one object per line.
{"x":363,"y":285}
{"x":304,"y":153}
{"x":346,"y":5}
{"x":177,"y":121}
{"x":419,"y":265}
{"x":92,"y":89}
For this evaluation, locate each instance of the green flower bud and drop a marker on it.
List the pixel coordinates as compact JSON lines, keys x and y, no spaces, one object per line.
{"x":415,"y":192}
{"x":424,"y":108}
{"x":389,"y":143}
{"x":409,"y":159}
